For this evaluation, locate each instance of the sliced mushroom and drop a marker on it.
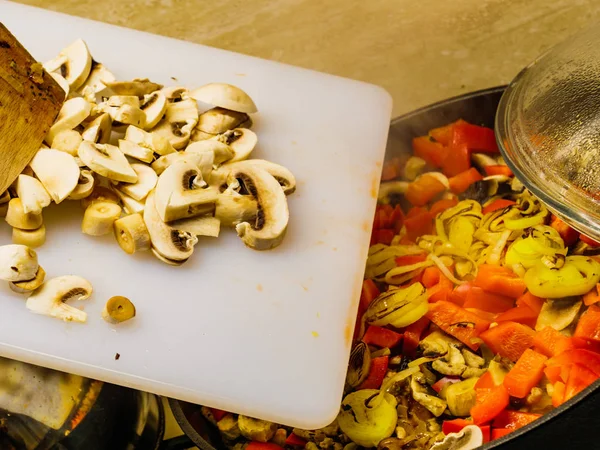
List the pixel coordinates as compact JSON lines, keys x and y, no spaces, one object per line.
{"x":116,"y":101}
{"x":199,"y":226}
{"x":146,"y":181}
{"x":203,"y":161}
{"x":30,"y":238}
{"x":85,"y":186}
{"x":180,"y":119}
{"x":469,"y":438}
{"x":107,"y":160}
{"x":99,"y":76}
{"x":17,"y":263}
{"x":136,"y":151}
{"x":129,"y":115}
{"x":156,"y":143}
{"x":272,"y":217}
{"x":558,"y":313}
{"x":181,"y":192}
{"x":421,"y":394}
{"x":130,"y":205}
{"x":74,"y":63}
{"x":241,"y":140}
{"x":222,"y":152}
{"x":49,"y":299}
{"x":32,"y":194}
{"x":198,"y":136}
{"x":58,"y":172}
{"x":100,"y":194}
{"x":389,"y":189}
{"x":284,"y":176}
{"x":233,"y":208}
{"x":168,"y":243}
{"x":481,"y":160}
{"x":155,"y":107}
{"x":61,"y":81}
{"x":67,"y":141}
{"x":414,"y":167}
{"x":226,"y":96}
{"x":219,"y":120}
{"x":175,"y":94}
{"x":138,"y":87}
{"x":256,"y":429}
{"x":131,"y":233}
{"x":98,"y":130}
{"x":28,"y":286}
{"x":72,"y":113}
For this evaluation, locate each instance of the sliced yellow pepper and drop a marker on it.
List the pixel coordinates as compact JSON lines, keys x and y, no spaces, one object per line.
{"x":577,"y":276}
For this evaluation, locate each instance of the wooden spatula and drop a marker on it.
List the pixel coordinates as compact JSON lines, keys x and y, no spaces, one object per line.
{"x":30,"y":100}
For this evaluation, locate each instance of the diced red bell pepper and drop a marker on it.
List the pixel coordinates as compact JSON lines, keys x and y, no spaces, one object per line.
{"x":499,"y":280}
{"x":585,"y":358}
{"x":381,"y":337}
{"x":460,"y":292}
{"x":499,"y":169}
{"x":498,"y":204}
{"x":416,"y":211}
{"x":368,"y":293}
{"x":520,"y":314}
{"x":530,"y":300}
{"x":551,"y":342}
{"x":412,"y":336}
{"x":382,"y":236}
{"x":444,"y":134}
{"x":377,"y":373}
{"x":431,"y":276}
{"x":509,"y":339}
{"x":381,"y":219}
{"x":254,"y":445}
{"x":431,"y":151}
{"x":441,"y":290}
{"x":218,"y":414}
{"x":487,"y":301}
{"x":408,"y":260}
{"x":392,"y":169}
{"x":486,"y":433}
{"x":442,"y":205}
{"x":580,"y":377}
{"x":295,"y":440}
{"x":443,"y":382}
{"x":424,"y":189}
{"x":514,"y":420}
{"x":417,"y":226}
{"x":485,"y":315}
{"x":489,"y":403}
{"x":588,"y":326}
{"x":589,"y":241}
{"x":558,"y":396}
{"x":458,"y":322}
{"x":591,"y":297}
{"x":476,"y":138}
{"x":396,"y":219}
{"x":593,"y":346}
{"x":525,"y":374}
{"x":457,"y":161}
{"x":498,"y":433}
{"x":461,"y":182}
{"x":555,"y":373}
{"x":568,"y":234}
{"x":455,"y":425}
{"x":485,"y":381}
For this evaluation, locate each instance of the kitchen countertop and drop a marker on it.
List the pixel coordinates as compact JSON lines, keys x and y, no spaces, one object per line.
{"x":420,"y":52}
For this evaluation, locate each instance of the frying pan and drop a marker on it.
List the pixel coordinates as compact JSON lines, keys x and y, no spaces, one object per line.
{"x":574,"y":424}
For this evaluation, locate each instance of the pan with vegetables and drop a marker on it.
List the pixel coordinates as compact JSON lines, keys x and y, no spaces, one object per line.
{"x":479,"y":318}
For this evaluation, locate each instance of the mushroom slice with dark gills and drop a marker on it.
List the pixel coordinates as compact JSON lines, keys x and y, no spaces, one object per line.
{"x":180,"y":119}
{"x":283,"y":175}
{"x":269,"y":227}
{"x":241,"y":140}
{"x":169,"y":244}
{"x":182,"y":192}
{"x":218,"y":120}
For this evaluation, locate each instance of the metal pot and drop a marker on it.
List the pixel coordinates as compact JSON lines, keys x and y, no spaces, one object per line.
{"x":573,"y":424}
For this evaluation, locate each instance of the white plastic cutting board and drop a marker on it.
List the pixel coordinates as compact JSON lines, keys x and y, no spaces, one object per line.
{"x":264,"y":334}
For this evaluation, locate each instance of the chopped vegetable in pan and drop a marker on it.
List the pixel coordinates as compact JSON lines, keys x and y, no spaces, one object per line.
{"x":479,"y":310}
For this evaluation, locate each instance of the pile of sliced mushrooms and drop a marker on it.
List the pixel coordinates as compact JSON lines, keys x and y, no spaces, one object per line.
{"x":148,"y":165}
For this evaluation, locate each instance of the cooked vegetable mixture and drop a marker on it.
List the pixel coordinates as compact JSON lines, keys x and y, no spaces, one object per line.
{"x":479,"y":310}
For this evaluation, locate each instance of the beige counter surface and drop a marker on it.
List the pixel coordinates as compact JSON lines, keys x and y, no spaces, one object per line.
{"x":420,"y":51}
